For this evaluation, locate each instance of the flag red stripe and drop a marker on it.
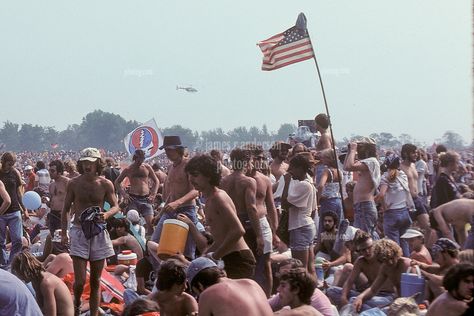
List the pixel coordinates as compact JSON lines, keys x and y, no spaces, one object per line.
{"x":295,"y":54}
{"x":284,"y":49}
{"x":280,"y":65}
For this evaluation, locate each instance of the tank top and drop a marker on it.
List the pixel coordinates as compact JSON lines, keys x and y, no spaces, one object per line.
{"x":331,"y":188}
{"x":11,"y":180}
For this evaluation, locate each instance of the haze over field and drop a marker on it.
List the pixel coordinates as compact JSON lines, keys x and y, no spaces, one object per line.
{"x":403,"y":67}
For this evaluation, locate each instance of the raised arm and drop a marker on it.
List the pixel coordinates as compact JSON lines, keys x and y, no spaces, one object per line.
{"x":118,"y":184}
{"x":350,"y":164}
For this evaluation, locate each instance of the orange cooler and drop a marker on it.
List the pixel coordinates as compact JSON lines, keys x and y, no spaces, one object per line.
{"x":173,"y":238}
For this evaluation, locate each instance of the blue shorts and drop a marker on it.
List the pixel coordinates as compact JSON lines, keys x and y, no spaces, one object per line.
{"x":301,"y":238}
{"x":141,"y":204}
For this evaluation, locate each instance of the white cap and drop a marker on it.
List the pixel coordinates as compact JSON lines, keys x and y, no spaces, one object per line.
{"x":28,"y":168}
{"x":411,"y":233}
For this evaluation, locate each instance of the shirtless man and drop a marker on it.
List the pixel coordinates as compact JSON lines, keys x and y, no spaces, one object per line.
{"x":459,"y":284}
{"x":217,"y":155}
{"x":85,"y":191}
{"x":160,"y":174}
{"x":171,"y":298}
{"x":456,"y":213}
{"x":364,"y":273}
{"x":242,"y":190}
{"x":221,"y":216}
{"x":57,"y":191}
{"x":52,"y":294}
{"x":409,"y":155}
{"x":140,"y":197}
{"x":220,"y":296}
{"x":368,"y":168}
{"x":267,"y":215}
{"x":278,"y":167}
{"x":393,"y":265}
{"x":324,"y":142}
{"x":178,"y":192}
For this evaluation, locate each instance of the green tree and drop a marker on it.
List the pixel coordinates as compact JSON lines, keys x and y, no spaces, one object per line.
{"x":188,"y":138}
{"x":102,"y":130}
{"x":9,"y":135}
{"x":284,"y":131}
{"x":31,"y":138}
{"x":453,"y":140}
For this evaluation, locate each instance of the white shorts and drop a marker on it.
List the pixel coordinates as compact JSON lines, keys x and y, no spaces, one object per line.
{"x":267,"y":235}
{"x":97,"y":248}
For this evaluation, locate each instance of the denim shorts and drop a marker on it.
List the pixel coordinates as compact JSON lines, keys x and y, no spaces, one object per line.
{"x":301,"y":238}
{"x":140,"y":204}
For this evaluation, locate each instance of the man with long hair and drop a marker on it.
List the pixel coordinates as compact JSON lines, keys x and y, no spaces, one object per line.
{"x":52,"y":294}
{"x":85,"y":192}
{"x":368,"y":167}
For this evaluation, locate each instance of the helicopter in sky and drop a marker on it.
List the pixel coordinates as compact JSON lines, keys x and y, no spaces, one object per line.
{"x":187,"y":89}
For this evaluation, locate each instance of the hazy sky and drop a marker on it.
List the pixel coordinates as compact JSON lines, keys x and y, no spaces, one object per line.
{"x":396,"y":66}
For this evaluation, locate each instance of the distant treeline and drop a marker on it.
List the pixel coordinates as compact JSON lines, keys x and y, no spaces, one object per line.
{"x":107,"y":130}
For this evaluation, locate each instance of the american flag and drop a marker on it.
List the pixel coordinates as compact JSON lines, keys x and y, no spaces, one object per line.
{"x":289,"y":47}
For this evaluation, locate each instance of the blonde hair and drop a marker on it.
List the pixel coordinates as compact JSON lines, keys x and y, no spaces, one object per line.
{"x":388,"y":249}
{"x":26,"y":267}
{"x":328,"y":155}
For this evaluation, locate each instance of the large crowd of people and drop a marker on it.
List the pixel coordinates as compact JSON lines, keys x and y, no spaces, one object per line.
{"x":288,"y":231}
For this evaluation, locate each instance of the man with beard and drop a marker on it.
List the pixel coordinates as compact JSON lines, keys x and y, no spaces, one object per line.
{"x":409,"y":155}
{"x":141,"y":196}
{"x":86,"y":193}
{"x":325,"y":242}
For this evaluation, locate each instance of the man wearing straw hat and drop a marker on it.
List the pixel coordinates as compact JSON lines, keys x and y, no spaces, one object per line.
{"x":84,"y":194}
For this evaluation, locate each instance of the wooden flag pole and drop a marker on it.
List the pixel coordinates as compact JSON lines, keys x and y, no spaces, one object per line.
{"x":330,"y":130}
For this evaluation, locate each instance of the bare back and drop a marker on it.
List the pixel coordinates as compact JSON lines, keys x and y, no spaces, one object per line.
{"x":176,"y":305}
{"x":53,"y":287}
{"x":177,"y":183}
{"x":236,"y":186}
{"x":234,"y":297}
{"x":457,"y":212}
{"x":412,"y":176}
{"x":221,"y":216}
